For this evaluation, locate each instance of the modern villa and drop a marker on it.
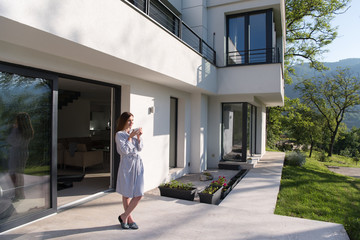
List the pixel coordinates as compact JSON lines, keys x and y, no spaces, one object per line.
{"x":197,"y":75}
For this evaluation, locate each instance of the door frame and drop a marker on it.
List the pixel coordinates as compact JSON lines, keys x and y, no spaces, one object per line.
{"x":176,"y":132}
{"x":245,"y":129}
{"x":114,"y":156}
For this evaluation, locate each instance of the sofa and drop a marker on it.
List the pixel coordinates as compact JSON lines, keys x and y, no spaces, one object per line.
{"x":79,"y":152}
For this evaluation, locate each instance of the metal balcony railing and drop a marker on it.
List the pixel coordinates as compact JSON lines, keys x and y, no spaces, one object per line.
{"x":264,"y":55}
{"x":165,"y":17}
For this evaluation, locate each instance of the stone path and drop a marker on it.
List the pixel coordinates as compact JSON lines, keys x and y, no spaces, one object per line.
{"x":347,"y":171}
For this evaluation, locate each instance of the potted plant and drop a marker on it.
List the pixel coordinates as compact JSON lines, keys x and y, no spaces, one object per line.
{"x":212,"y":193}
{"x":176,"y":189}
{"x":227,"y":188}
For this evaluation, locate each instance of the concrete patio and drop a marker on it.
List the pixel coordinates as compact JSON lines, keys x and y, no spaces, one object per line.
{"x":246,"y":213}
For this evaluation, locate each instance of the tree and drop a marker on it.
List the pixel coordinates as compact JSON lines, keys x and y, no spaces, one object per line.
{"x":308,"y":32}
{"x":332,"y":96}
{"x":304,"y":125}
{"x":308,"y":29}
{"x":348,"y":143}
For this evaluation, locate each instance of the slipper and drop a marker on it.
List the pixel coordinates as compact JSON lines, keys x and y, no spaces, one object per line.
{"x":133,"y":225}
{"x":123,"y":225}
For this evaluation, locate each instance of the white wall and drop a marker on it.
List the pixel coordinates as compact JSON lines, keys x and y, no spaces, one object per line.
{"x":194,"y":14}
{"x":137,"y":96}
{"x":252,"y":79}
{"x":156,"y":127}
{"x":203,"y":133}
{"x":111,"y":42}
{"x":111,"y":35}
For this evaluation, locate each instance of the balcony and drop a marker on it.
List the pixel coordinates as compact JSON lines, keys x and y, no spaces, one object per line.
{"x":254,"y":56}
{"x":262,"y":81}
{"x":166,"y":18}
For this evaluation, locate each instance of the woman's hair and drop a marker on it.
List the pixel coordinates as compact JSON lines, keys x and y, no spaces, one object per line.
{"x":121,"y":122}
{"x":24,"y":125}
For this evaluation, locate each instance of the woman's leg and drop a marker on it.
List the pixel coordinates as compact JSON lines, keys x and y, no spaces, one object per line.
{"x":129,"y":206}
{"x":126,"y":202}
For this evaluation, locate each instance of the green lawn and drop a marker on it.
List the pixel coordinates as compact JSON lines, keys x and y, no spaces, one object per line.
{"x":314,"y":192}
{"x":38,"y":170}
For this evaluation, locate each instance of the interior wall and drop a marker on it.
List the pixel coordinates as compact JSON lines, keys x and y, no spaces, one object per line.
{"x":74,"y":119}
{"x":228,"y":131}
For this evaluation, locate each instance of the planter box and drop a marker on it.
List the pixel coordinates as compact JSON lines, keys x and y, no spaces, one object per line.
{"x":178,"y":193}
{"x":226,"y":192}
{"x":211,"y":198}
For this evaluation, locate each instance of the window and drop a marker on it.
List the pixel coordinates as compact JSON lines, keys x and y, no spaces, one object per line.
{"x":25,"y":146}
{"x":249,"y":38}
{"x":238,"y":131}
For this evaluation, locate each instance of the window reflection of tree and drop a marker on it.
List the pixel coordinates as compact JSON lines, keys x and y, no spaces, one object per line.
{"x":33,"y":96}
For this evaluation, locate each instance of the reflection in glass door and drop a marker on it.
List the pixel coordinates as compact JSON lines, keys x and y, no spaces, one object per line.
{"x":251,"y":130}
{"x":25,"y":147}
{"x":173,"y":132}
{"x":238,"y":131}
{"x":232,"y":132}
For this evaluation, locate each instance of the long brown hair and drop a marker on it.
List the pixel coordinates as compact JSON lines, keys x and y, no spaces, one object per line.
{"x":24,"y":125}
{"x":121,"y":121}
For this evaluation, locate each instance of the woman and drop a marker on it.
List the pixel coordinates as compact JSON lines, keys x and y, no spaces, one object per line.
{"x":130,"y":180}
{"x":19,"y":139}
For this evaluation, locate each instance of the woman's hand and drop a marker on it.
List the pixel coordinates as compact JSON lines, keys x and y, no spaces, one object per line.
{"x":132,"y":134}
{"x":139,"y":132}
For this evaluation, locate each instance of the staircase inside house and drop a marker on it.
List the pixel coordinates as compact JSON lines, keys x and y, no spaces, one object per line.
{"x":66,"y":97}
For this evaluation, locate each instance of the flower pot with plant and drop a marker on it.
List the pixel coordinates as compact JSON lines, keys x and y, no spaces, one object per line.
{"x":212,"y":193}
{"x":176,"y":189}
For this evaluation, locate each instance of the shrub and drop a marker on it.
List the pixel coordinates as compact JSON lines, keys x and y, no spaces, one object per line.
{"x":178,"y":185}
{"x":285,"y":147}
{"x":295,"y":159}
{"x":322,"y":157}
{"x":346,"y":152}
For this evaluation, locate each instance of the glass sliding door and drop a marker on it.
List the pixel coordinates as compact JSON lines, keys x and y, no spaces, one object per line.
{"x":173,"y":132}
{"x":238,"y":131}
{"x":251,"y":130}
{"x":232,"y":132}
{"x":250,"y":38}
{"x":26,"y":112}
{"x":257,"y":38}
{"x":236,"y":40}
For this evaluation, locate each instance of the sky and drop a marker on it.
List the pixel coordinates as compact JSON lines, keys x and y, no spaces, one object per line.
{"x":347,"y":43}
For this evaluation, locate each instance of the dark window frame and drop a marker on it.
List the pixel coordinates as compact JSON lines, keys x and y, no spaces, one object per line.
{"x":244,"y":127}
{"x":176,"y":129}
{"x":270,"y":52}
{"x":54,"y":77}
{"x":37,"y":73}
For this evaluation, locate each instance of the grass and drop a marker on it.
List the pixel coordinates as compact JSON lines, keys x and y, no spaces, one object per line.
{"x":38,"y":170}
{"x":314,"y":192}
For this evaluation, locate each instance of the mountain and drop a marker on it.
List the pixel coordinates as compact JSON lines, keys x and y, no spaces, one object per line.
{"x":303,"y":71}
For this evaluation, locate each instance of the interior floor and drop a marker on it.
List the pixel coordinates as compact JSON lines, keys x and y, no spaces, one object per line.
{"x":84,"y":126}
{"x":234,"y":155}
{"x":96,"y":179}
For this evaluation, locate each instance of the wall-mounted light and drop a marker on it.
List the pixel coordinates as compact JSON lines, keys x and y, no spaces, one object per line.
{"x":151,"y":110}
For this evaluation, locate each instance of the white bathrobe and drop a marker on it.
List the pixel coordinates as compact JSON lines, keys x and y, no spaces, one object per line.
{"x":130,"y":179}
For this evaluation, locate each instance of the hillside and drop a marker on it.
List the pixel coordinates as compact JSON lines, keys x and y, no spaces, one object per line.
{"x":303,"y":71}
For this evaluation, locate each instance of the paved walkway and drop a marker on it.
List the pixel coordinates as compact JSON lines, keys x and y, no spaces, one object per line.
{"x":348,"y":171}
{"x":246,"y":213}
